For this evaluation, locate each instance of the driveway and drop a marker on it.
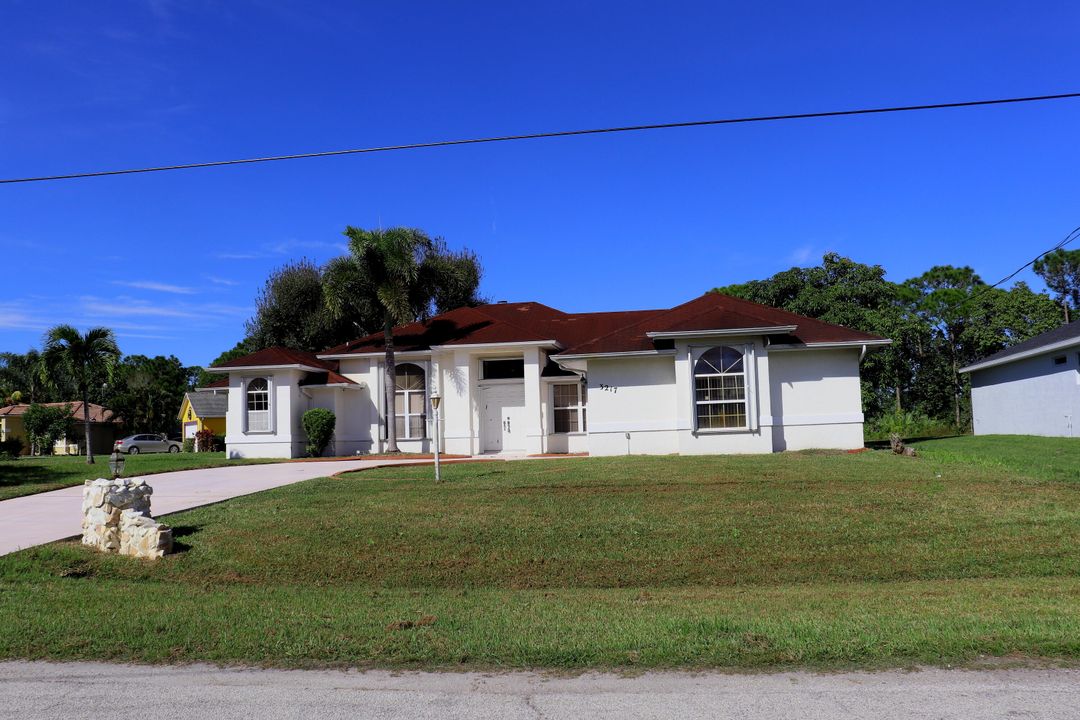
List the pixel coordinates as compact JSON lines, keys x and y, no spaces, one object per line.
{"x":46,"y":517}
{"x":104,"y":691}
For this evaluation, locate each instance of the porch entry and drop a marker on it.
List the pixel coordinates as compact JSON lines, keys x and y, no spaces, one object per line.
{"x":503,"y":417}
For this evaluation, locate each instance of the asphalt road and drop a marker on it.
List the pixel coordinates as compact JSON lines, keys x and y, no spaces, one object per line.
{"x":103,"y":691}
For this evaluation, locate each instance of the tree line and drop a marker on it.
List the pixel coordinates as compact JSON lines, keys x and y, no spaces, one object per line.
{"x":939,"y":321}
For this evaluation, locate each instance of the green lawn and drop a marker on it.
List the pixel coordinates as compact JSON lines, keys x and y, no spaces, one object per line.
{"x":1046,"y":458}
{"x":29,"y":475}
{"x":808,"y":559}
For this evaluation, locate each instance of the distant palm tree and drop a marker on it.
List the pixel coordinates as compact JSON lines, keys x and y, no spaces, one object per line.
{"x":83,"y":358}
{"x":400,"y":273}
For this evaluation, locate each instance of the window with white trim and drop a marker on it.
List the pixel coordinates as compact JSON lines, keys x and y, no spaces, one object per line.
{"x":258,"y":405}
{"x":409,"y":402}
{"x":720,"y":389}
{"x":568,"y":407}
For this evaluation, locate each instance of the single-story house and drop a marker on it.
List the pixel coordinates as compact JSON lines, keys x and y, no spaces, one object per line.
{"x":104,"y":425}
{"x":1031,"y":388}
{"x":714,"y":375}
{"x":204,"y":409}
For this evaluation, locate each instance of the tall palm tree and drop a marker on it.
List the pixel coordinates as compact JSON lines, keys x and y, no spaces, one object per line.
{"x":83,"y":358}
{"x":397,"y":276}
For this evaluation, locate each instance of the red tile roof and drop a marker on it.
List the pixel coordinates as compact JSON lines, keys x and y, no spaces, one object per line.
{"x":323,"y":372}
{"x":576,"y":333}
{"x":98,"y":414}
{"x":714,"y":311}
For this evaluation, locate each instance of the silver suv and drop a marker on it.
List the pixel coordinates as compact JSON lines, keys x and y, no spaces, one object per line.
{"x":135,"y":444}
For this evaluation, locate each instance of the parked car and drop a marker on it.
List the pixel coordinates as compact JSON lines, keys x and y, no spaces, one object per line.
{"x":135,"y":444}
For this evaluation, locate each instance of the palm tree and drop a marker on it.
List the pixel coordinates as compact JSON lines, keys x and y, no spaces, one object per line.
{"x":83,"y":358}
{"x":397,"y":276}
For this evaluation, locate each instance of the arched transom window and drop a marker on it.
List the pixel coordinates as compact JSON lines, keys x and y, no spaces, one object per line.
{"x":409,"y":402}
{"x":258,"y":405}
{"x":720,"y":389}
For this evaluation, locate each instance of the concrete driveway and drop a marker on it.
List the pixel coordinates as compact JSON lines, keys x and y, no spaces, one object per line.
{"x":46,"y":517}
{"x":104,"y":691}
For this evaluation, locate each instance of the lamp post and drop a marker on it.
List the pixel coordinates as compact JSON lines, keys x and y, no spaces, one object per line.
{"x":436,"y":400}
{"x":116,"y":463}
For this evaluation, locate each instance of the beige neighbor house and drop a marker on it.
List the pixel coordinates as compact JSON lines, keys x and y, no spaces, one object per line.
{"x":104,"y":426}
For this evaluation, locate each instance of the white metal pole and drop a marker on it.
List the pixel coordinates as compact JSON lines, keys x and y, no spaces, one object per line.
{"x":438,"y":477}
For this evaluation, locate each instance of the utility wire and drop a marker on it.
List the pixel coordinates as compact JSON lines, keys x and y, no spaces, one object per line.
{"x":1068,"y":239}
{"x":543,"y":135}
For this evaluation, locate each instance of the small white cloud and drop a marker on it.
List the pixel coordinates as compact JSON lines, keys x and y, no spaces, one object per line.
{"x":159,"y":287}
{"x":221,"y":281}
{"x":132,"y":308}
{"x":802,"y":254}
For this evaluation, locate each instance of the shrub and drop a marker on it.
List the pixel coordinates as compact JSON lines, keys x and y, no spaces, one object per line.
{"x":11,"y":448}
{"x":189,"y":444}
{"x":319,"y":425}
{"x":45,"y":425}
{"x":206,"y":441}
{"x":907,"y":425}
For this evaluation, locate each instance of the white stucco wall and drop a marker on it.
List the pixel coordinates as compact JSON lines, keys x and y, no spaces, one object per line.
{"x":282,"y":440}
{"x":815,"y":400}
{"x":632,"y":396}
{"x":1031,"y":396}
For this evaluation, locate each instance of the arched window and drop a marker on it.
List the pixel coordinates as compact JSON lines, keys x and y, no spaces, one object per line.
{"x":720,"y":389}
{"x":409,"y":402}
{"x":258,"y":405}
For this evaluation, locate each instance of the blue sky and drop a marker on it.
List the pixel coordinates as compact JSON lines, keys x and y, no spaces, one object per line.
{"x":173,"y":261}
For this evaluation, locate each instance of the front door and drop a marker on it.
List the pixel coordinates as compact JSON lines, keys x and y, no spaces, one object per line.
{"x":504,"y":418}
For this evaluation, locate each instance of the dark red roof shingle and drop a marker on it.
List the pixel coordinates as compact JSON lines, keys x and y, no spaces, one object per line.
{"x":574,"y":333}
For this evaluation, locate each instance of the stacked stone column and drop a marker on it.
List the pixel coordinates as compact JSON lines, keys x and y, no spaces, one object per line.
{"x":116,"y":519}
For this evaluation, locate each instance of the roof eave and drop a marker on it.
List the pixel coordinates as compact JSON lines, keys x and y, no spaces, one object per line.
{"x":628,"y":353}
{"x":723,"y":332}
{"x":236,"y":368}
{"x":1023,"y":355}
{"x":834,"y":345}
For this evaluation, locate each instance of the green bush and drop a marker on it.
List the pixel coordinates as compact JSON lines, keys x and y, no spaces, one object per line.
{"x":189,"y":444}
{"x":11,"y":448}
{"x":907,"y":425}
{"x":319,"y":425}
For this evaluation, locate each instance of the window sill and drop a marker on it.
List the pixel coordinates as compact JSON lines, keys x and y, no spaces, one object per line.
{"x":722,"y":431}
{"x":259,"y":432}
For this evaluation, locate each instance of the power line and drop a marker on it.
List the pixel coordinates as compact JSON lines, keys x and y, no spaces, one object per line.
{"x":544,"y":135}
{"x":1068,"y":239}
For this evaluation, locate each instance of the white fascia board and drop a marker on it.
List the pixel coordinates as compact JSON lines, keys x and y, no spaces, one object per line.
{"x":245,"y":368}
{"x":771,"y":330}
{"x":628,"y":354}
{"x":846,"y":344}
{"x":347,"y":386}
{"x":498,"y":345}
{"x":1044,"y":350}
{"x":407,"y":354}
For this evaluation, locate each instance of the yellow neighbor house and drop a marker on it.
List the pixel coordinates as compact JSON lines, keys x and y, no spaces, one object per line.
{"x":203,"y":409}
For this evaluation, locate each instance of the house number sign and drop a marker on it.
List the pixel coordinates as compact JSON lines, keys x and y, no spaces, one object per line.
{"x":609,"y":388}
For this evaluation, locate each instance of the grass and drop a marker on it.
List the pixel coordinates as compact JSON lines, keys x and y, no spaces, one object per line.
{"x":29,"y":475}
{"x":798,"y":559}
{"x":1041,"y":457}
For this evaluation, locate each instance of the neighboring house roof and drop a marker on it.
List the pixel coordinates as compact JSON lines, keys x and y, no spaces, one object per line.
{"x":576,"y":333}
{"x":98,"y":414}
{"x":208,"y":405}
{"x":221,"y":384}
{"x":322,"y":372}
{"x":1060,"y":338}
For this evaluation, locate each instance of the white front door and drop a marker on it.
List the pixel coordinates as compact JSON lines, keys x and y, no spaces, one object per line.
{"x":503,"y":418}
